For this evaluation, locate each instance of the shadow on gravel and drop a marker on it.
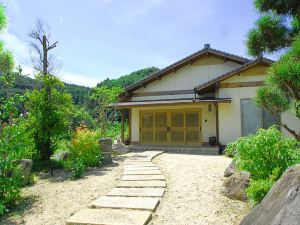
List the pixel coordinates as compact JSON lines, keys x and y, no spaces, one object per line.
{"x":13,"y":218}
{"x":63,"y":175}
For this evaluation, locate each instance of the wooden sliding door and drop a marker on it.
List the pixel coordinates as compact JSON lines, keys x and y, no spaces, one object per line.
{"x":178,"y":127}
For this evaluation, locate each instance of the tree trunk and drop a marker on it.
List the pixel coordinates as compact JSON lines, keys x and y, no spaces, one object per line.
{"x":292,"y":132}
{"x":45,"y":56}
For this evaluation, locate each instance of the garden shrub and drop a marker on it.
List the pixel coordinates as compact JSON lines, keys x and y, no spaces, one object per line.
{"x":15,"y":143}
{"x":231,"y":148}
{"x":114,"y":130}
{"x":265,"y":155}
{"x":258,"y":189}
{"x":266,"y":151}
{"x":80,"y":116}
{"x":84,"y":151}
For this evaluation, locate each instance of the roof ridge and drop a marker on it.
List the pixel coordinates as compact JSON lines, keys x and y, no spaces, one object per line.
{"x":159,"y":74}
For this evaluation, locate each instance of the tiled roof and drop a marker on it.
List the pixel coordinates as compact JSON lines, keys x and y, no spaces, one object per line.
{"x":233,"y":72}
{"x":189,"y":59}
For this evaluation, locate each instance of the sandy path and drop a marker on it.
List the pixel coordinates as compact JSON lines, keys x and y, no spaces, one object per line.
{"x":51,"y":202}
{"x":193,"y":192}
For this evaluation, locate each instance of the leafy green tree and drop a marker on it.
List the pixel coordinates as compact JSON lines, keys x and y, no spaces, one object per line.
{"x":276,"y":28}
{"x":7,"y":76}
{"x":15,"y":141}
{"x":282,"y":89}
{"x":81,"y":116}
{"x":49,"y":108}
{"x":48,"y":115}
{"x":104,"y":96}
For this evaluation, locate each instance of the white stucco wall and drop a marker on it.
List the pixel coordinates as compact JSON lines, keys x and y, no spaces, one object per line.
{"x":187,"y":78}
{"x":208,"y":119}
{"x":230,"y":114}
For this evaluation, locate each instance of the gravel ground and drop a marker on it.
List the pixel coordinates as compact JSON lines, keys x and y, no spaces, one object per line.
{"x":52,"y":201}
{"x":193,"y":192}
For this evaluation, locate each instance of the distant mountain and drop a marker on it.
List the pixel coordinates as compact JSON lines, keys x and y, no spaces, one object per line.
{"x":79,"y":93}
{"x":128,"y":79}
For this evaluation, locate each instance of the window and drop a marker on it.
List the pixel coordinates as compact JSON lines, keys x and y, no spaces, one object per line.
{"x":254,"y":118}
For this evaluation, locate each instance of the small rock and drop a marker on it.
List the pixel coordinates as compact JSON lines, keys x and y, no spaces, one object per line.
{"x":234,"y":186}
{"x":25,"y":166}
{"x":120,"y":148}
{"x":230,"y":170}
{"x":62,"y":156}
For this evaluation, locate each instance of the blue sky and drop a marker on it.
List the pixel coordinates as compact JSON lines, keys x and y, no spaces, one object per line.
{"x":110,"y":38}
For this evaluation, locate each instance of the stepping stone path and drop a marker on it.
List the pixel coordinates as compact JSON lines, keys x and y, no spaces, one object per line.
{"x":133,"y":200}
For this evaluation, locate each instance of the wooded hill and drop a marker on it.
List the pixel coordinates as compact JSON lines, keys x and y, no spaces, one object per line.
{"x":79,"y":93}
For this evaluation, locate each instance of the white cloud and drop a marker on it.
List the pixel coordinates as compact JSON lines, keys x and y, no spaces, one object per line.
{"x":20,"y":50}
{"x":79,"y":79}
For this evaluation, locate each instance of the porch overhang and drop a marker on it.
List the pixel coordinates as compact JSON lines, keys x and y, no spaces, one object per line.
{"x":152,"y":103}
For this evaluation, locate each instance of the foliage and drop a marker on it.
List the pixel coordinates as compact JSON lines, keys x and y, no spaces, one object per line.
{"x":103,"y":96}
{"x":48,"y":115}
{"x":80,"y":116}
{"x":266,"y":151}
{"x":128,"y":79}
{"x":114,"y":130}
{"x":276,"y":28}
{"x":269,"y":35}
{"x":84,"y":151}
{"x":282,"y":89}
{"x":3,"y":19}
{"x":77,"y":167}
{"x":17,"y":140}
{"x":231,"y":148}
{"x":80,"y":94}
{"x":258,"y":189}
{"x":15,"y":143}
{"x":265,"y":155}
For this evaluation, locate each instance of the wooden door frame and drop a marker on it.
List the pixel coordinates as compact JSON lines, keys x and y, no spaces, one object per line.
{"x":168,"y":111}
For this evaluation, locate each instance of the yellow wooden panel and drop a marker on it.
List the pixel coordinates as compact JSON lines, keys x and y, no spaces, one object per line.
{"x":161,"y":127}
{"x":176,"y":127}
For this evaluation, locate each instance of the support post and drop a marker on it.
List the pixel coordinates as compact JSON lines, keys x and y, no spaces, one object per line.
{"x":129,"y":125}
{"x":217,"y":122}
{"x":122,"y":126}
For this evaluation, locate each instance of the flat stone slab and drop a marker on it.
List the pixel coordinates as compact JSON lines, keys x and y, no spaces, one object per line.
{"x":143,"y":177}
{"x":137,"y":160}
{"x":141,"y":168}
{"x":141,"y":172}
{"x":141,"y":184}
{"x":144,"y":203}
{"x":139,"y":164}
{"x":110,"y":217}
{"x":137,"y":192}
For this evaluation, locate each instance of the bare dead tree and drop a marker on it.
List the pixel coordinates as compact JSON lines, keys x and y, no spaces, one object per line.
{"x":43,"y":62}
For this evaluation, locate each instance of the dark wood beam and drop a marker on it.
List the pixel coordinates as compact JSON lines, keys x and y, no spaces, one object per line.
{"x":241,"y":84}
{"x":158,"y":93}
